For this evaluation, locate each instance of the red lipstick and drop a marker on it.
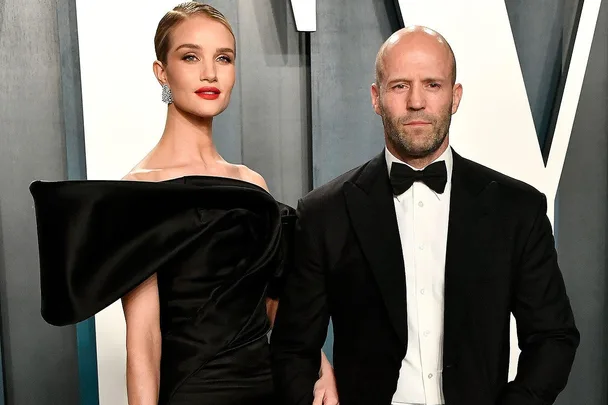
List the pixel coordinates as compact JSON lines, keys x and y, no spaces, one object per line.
{"x":208,"y":93}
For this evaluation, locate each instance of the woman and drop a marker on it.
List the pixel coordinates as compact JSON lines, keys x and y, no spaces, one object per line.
{"x":194,"y":246}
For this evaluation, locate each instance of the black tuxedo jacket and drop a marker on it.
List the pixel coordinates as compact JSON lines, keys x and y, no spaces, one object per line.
{"x":500,"y":259}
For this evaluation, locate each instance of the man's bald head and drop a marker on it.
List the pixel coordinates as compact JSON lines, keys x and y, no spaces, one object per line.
{"x":414,"y":35}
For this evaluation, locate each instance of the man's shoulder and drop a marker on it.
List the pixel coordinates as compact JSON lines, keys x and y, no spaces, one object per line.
{"x":332,"y":191}
{"x":508,"y":188}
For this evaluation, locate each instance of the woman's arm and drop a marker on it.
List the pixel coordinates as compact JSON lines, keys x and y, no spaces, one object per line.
{"x":142,"y":315}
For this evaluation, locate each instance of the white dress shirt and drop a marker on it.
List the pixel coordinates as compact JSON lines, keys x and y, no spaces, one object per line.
{"x":422,"y":217}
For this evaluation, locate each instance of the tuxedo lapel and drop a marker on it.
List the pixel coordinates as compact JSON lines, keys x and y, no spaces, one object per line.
{"x":371,"y":210}
{"x":468,"y":211}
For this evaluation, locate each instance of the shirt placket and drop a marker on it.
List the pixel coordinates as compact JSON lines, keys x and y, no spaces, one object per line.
{"x":422,"y":220}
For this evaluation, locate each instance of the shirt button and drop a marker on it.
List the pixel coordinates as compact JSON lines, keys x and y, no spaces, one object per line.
{"x":430,"y":375}
{"x":421,"y":247}
{"x":420,"y":204}
{"x":422,"y":291}
{"x":426,"y":333}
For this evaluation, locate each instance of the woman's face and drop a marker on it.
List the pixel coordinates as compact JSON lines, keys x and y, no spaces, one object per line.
{"x":200,"y":67}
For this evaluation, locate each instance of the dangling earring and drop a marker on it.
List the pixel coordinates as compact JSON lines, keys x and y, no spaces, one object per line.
{"x":167,"y":97}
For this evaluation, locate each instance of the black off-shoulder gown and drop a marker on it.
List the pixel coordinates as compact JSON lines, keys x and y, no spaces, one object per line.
{"x":219,"y":247}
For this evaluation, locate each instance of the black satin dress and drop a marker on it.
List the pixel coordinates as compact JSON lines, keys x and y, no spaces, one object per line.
{"x":219,"y":247}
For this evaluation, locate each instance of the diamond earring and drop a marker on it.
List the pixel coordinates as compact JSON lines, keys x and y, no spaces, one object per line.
{"x":167,"y":97}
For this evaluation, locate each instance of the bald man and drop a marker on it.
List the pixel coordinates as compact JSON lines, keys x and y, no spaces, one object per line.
{"x":420,"y":256}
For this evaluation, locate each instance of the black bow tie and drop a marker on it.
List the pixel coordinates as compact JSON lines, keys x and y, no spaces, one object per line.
{"x":435,"y":176}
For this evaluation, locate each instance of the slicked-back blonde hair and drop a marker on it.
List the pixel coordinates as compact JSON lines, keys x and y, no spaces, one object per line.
{"x":180,"y":13}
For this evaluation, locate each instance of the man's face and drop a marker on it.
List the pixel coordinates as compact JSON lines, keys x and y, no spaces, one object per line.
{"x":416,"y":96}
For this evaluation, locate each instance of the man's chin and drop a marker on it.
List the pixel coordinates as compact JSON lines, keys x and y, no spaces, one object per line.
{"x":419,"y":154}
{"x":422,"y":151}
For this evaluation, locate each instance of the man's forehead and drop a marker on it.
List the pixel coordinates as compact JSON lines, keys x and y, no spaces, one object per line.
{"x":416,"y":56}
{"x":407,"y":69}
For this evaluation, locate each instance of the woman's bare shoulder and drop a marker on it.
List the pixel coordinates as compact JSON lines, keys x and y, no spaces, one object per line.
{"x":252,"y":176}
{"x":144,"y":175}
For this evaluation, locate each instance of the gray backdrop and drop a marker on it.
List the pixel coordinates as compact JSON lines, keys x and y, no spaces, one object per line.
{"x":581,"y":219}
{"x":300,"y":115}
{"x":40,"y":361}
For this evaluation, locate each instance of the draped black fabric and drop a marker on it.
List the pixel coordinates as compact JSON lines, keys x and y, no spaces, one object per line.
{"x":219,"y":247}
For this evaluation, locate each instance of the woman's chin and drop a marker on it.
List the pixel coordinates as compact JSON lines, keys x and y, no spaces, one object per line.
{"x":204,"y":112}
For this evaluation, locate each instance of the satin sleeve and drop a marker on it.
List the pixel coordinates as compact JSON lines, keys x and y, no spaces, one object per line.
{"x":98,"y":240}
{"x":285,"y":264}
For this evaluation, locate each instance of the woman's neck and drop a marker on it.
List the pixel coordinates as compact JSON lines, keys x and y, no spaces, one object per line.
{"x":187,"y":140}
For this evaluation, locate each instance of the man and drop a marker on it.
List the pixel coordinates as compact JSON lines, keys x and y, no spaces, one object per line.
{"x":421,"y":269}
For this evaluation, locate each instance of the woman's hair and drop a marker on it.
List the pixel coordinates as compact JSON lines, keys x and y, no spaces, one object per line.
{"x":177,"y":15}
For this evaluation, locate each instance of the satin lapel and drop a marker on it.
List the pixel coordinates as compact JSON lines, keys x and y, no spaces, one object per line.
{"x":372,"y":213}
{"x":468,"y":212}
